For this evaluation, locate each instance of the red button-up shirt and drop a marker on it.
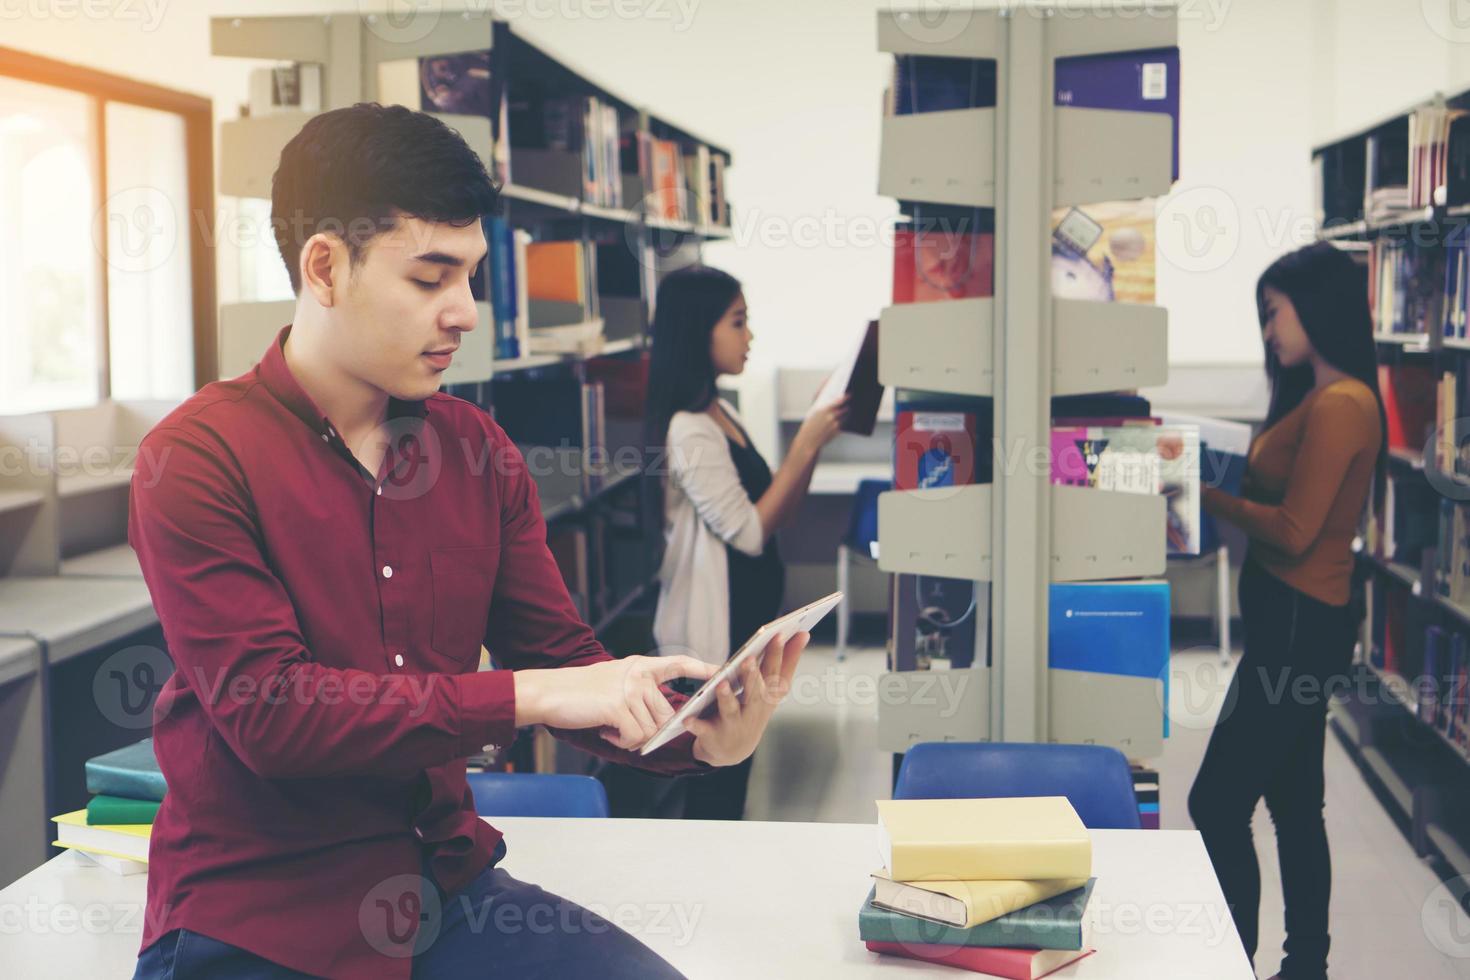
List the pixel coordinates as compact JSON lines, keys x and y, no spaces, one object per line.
{"x":325,"y":626}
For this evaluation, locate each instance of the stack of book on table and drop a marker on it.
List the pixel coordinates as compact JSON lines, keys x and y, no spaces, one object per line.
{"x":113,"y":830}
{"x":995,"y":886}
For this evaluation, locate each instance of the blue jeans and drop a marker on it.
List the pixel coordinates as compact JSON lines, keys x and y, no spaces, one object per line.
{"x":498,"y":926}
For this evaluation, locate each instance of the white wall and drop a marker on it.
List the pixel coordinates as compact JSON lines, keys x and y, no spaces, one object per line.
{"x":793,"y":89}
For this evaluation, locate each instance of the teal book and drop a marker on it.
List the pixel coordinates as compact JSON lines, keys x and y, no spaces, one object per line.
{"x":1057,"y":923}
{"x":131,"y":772}
{"x":105,"y":810}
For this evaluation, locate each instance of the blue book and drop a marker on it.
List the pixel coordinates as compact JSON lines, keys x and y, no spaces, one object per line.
{"x":1111,"y":628}
{"x":1057,"y":923}
{"x":1131,"y":81}
{"x":500,"y":237}
{"x":131,"y":772}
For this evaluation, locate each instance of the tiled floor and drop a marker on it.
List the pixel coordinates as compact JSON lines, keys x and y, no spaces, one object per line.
{"x":819,"y":761}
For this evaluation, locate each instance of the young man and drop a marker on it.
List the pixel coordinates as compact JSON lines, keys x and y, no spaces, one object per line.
{"x":328,"y":545}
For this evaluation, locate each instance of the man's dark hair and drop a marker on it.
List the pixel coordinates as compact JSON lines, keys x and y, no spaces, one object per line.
{"x":352,"y":171}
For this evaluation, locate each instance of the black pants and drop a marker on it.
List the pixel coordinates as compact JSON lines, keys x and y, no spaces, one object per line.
{"x":1269,"y":743}
{"x":718,"y":795}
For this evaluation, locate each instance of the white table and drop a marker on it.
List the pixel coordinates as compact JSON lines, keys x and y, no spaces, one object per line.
{"x":739,"y":900}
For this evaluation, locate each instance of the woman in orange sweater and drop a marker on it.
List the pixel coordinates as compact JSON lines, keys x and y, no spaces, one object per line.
{"x":1307,"y":478}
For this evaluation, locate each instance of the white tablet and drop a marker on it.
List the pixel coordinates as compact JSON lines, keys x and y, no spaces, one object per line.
{"x":787,"y":626}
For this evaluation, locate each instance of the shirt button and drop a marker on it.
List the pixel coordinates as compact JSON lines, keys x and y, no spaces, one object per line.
{"x":325,"y":437}
{"x":380,"y":491}
{"x":398,"y":660}
{"x":387,"y":571}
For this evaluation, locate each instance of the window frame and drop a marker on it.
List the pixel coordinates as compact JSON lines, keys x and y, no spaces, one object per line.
{"x":197,"y":113}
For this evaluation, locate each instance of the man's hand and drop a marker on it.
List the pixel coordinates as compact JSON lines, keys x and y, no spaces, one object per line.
{"x":733,"y":734}
{"x":621,"y":697}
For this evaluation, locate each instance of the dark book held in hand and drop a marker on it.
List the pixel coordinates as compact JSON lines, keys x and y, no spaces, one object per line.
{"x":857,"y":376}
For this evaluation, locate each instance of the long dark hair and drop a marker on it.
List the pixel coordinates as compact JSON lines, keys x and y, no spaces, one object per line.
{"x":681,"y":376}
{"x":1329,"y":292}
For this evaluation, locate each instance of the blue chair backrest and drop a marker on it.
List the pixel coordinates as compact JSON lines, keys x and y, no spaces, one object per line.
{"x":862,"y":521}
{"x":1095,"y":778}
{"x":531,"y":794}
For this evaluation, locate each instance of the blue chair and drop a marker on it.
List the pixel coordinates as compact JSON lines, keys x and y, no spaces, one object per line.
{"x":532,"y":794}
{"x":1095,"y":778}
{"x":862,"y":532}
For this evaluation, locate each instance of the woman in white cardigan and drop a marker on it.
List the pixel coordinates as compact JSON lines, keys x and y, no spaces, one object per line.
{"x":721,"y":576}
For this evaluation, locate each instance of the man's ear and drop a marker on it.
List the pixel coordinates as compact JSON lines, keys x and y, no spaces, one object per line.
{"x":322,"y":257}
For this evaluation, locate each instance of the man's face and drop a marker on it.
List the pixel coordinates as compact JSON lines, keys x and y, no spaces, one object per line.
{"x":406,"y":305}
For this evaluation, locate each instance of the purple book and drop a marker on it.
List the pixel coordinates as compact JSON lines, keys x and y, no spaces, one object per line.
{"x":1131,"y":81}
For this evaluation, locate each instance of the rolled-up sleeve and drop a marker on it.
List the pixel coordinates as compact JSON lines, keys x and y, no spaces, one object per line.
{"x":700,"y":462}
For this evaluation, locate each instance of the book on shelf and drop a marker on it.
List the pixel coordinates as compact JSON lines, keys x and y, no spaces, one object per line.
{"x":964,"y":905}
{"x":1026,"y":838}
{"x":1136,"y":457}
{"x":856,"y":375}
{"x":295,"y":87}
{"x":1146,"y":792}
{"x":1127,"y":81}
{"x":464,"y":84}
{"x":943,"y":254}
{"x":1386,"y":173}
{"x":941,"y":441}
{"x":1104,"y":252}
{"x":584,"y":338}
{"x":1405,"y":287}
{"x":1119,"y":627}
{"x":500,"y":287}
{"x":1428,"y":153}
{"x":556,"y":270}
{"x":1410,"y":395}
{"x":938,"y":623}
{"x":1012,"y":964}
{"x":131,"y":771}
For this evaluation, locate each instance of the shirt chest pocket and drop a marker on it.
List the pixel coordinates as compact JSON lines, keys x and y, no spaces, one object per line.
{"x":463,"y":580}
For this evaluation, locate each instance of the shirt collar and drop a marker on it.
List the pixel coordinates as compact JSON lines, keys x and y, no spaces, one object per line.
{"x":282,"y":384}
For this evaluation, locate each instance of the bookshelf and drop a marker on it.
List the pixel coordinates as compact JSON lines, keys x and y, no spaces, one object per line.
{"x":1396,"y":194}
{"x":1020,"y":347}
{"x":575,"y":415}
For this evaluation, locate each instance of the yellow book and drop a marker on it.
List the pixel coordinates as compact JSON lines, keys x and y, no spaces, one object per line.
{"x":1008,"y":838}
{"x":124,"y":840}
{"x":964,"y":904}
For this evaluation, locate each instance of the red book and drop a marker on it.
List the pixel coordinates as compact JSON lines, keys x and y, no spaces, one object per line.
{"x":1013,"y":964}
{"x":1408,"y":392}
{"x":939,"y":265}
{"x":934,"y":448}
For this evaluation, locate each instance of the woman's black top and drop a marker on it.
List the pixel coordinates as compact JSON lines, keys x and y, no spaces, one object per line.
{"x":757,"y":582}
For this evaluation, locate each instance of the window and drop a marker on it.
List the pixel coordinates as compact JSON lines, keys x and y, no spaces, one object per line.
{"x":106,"y":280}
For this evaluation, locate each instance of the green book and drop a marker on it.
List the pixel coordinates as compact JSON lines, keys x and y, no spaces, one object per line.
{"x":119,"y":809}
{"x":1057,"y":923}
